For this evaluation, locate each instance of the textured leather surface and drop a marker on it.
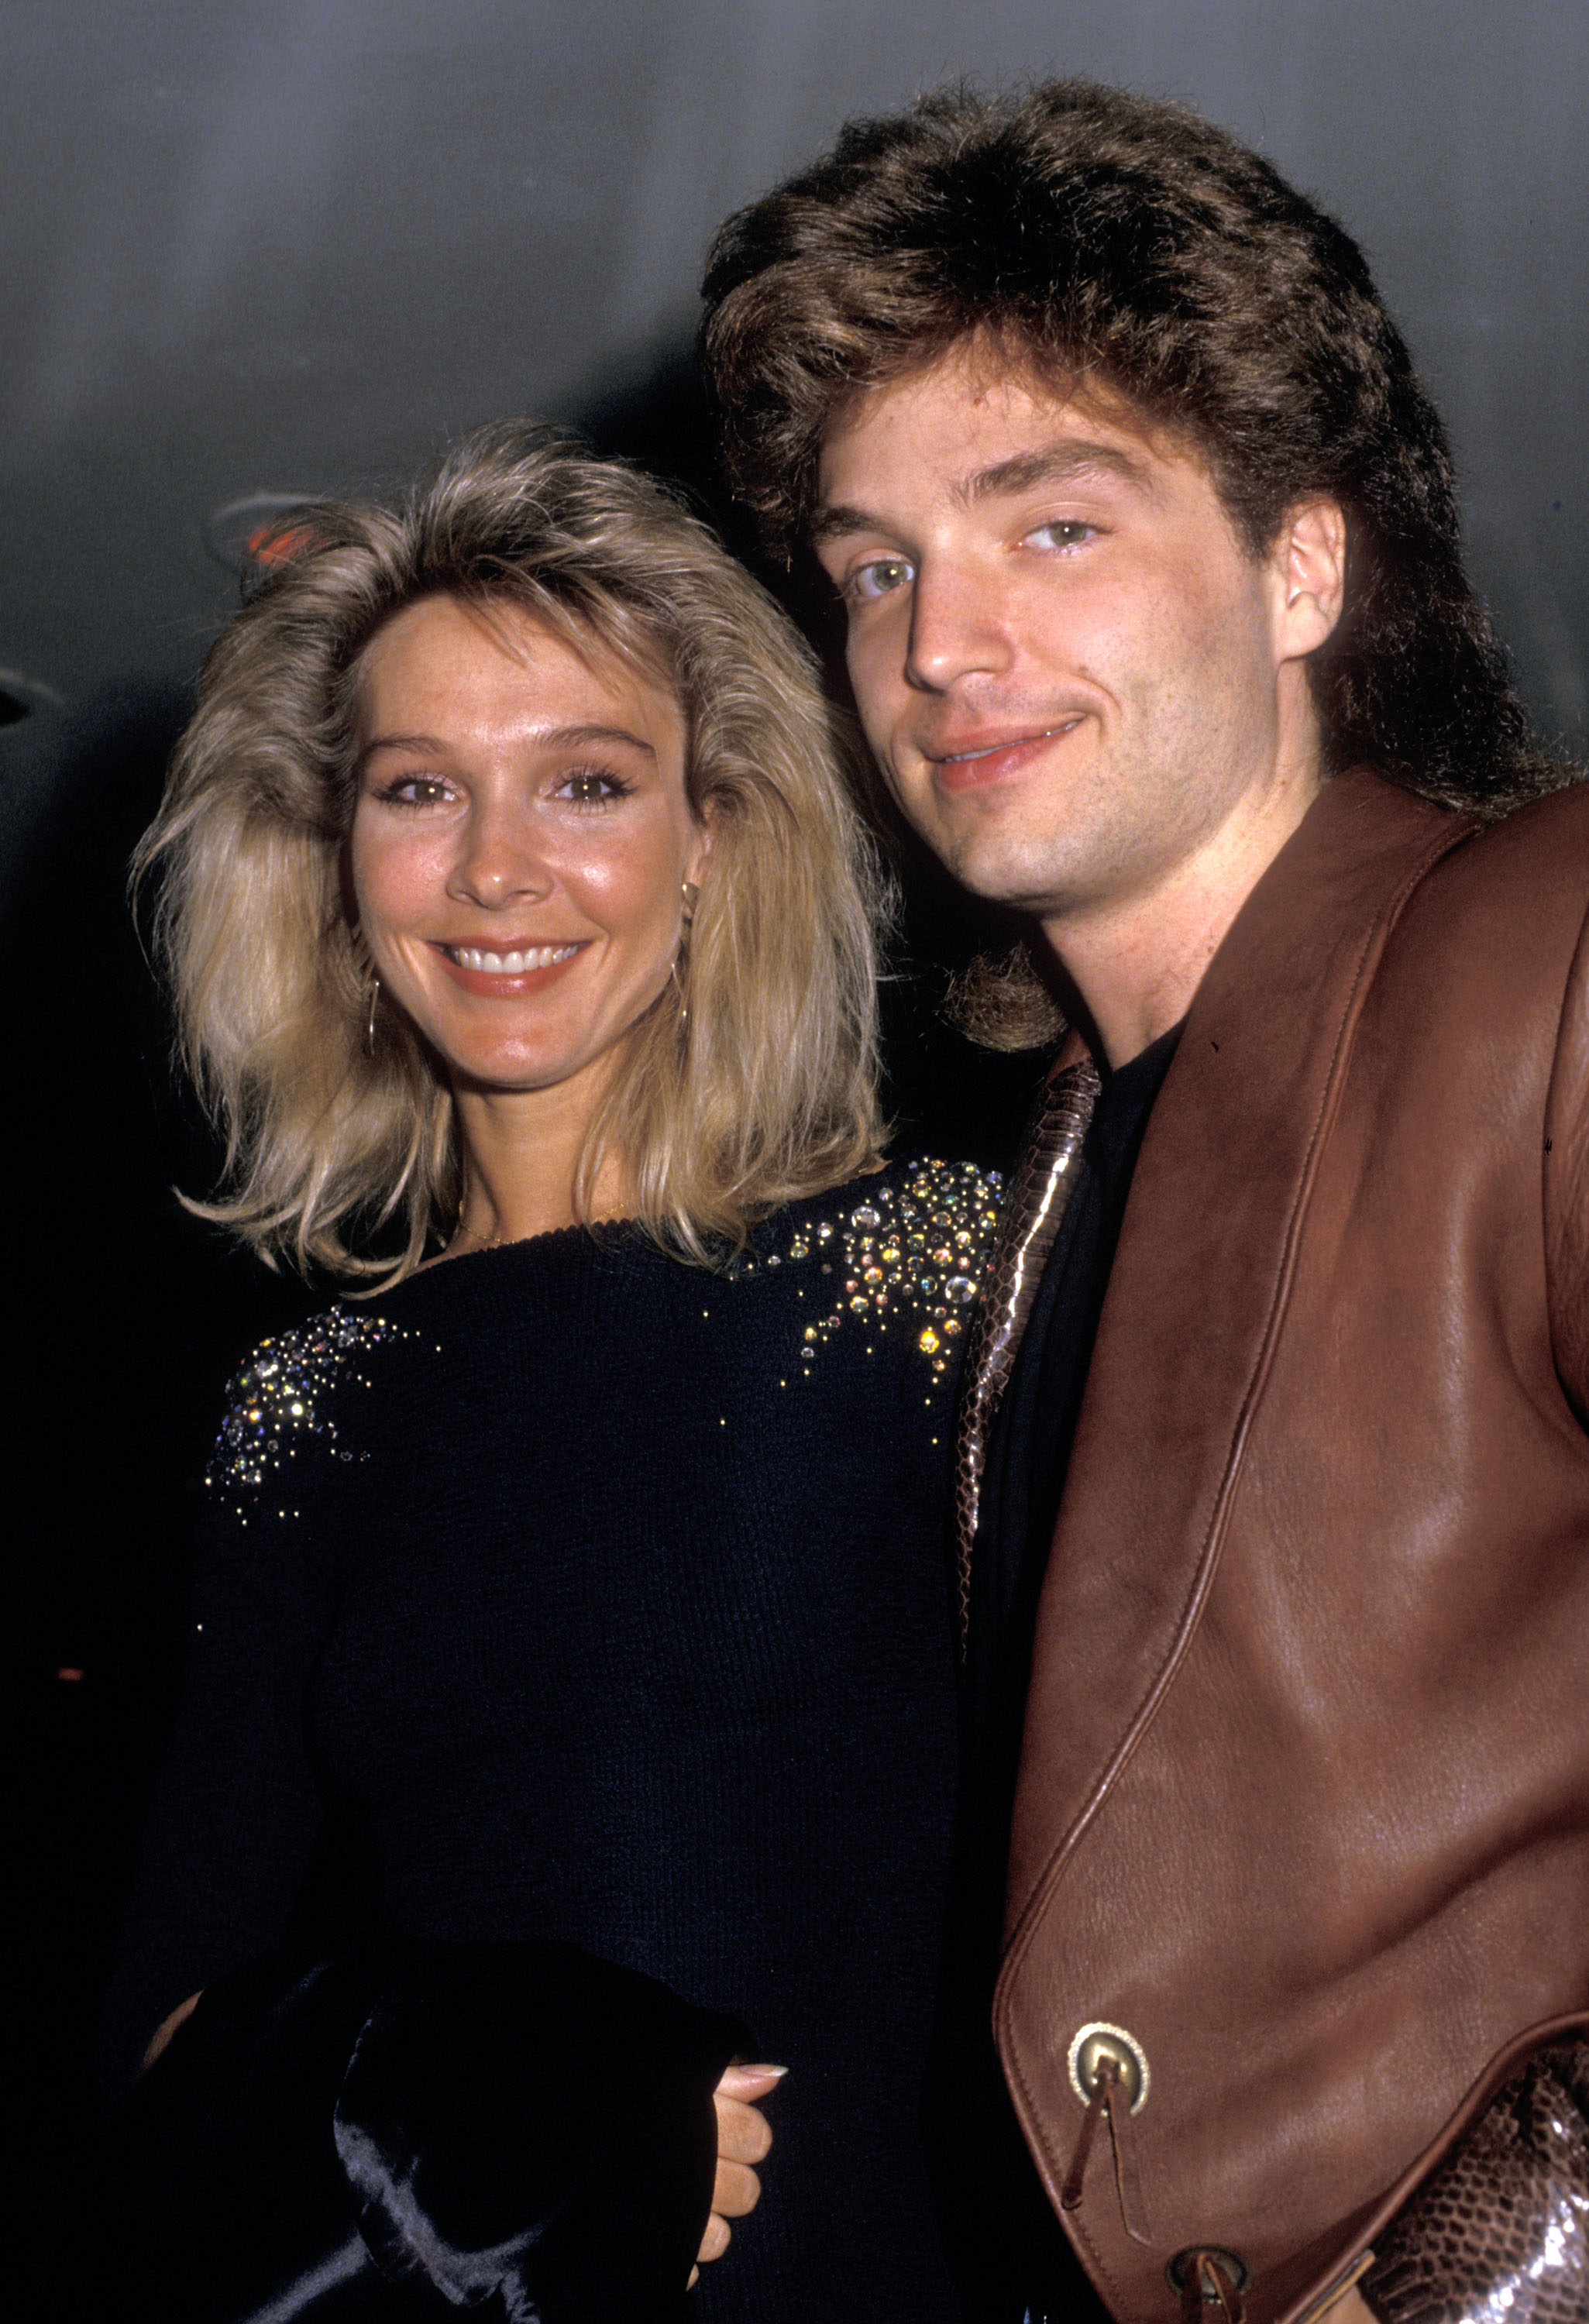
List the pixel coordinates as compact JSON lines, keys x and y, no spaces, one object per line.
{"x":1040,"y":1195}
{"x":1501,"y":2229}
{"x":1304,"y":1803}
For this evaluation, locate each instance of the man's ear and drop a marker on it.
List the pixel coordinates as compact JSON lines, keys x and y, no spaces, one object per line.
{"x":1310,"y":567}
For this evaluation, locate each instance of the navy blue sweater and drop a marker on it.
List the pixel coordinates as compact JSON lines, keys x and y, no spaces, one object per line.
{"x":608,"y":1598}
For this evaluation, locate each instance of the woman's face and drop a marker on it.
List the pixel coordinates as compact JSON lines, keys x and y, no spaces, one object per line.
{"x":520,"y":842}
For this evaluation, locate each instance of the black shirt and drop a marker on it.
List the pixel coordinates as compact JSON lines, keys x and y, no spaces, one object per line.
{"x":608,"y":1598}
{"x":1030,"y":1449}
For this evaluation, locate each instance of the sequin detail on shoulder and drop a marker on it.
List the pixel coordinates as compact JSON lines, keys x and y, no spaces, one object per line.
{"x":280,"y":1398}
{"x":911,"y":1253}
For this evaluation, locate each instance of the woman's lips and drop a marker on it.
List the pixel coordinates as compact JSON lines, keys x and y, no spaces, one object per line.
{"x":505,"y":974}
{"x":978,"y":764}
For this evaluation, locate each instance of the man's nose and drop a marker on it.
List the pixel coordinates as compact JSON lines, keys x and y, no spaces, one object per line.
{"x":958,"y":627}
{"x":504,"y":859}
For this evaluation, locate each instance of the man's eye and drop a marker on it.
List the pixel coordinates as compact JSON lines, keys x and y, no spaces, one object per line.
{"x":880,"y":577}
{"x":591,"y":786}
{"x":1063,"y":533}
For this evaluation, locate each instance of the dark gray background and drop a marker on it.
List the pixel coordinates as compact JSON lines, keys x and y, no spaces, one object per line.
{"x":295,"y":245}
{"x":292,"y":246}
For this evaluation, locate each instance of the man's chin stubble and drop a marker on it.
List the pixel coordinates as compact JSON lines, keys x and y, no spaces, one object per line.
{"x":1009,"y":878}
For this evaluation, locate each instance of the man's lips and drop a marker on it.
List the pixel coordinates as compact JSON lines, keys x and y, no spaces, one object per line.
{"x":503,"y":972}
{"x":979,"y":759}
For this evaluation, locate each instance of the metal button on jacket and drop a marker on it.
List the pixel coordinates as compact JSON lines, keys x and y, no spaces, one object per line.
{"x":1094,"y":2043}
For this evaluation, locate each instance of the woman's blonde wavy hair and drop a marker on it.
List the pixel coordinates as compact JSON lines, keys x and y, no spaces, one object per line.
{"x":765,"y":1091}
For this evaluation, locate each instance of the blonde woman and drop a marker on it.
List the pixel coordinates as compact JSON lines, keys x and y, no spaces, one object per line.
{"x":587,"y":1560}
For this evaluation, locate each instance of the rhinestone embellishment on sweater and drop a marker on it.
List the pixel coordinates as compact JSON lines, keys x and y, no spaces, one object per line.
{"x":280,"y":1396}
{"x":910,"y":1255}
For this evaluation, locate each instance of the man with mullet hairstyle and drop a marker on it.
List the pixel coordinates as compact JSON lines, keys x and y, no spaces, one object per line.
{"x":1273,"y":1492}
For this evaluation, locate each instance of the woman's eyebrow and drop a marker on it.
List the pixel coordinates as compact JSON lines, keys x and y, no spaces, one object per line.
{"x":427,"y":744}
{"x":562,"y":737}
{"x":557,"y":738}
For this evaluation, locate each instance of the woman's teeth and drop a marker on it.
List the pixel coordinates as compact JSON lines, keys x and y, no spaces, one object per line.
{"x":509,"y":963}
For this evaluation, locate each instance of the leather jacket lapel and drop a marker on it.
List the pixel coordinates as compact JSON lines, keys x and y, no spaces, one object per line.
{"x":1040,"y":1188}
{"x":1196,"y":1298}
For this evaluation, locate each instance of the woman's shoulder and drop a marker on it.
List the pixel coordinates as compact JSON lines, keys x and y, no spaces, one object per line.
{"x":285,"y":1398}
{"x":917,"y":1191}
{"x":950,"y":1205}
{"x":902,"y":1251}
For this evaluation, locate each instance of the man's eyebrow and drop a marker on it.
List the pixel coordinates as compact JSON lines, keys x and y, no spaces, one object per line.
{"x":556,"y":738}
{"x":836,"y":521}
{"x":1068,"y":461}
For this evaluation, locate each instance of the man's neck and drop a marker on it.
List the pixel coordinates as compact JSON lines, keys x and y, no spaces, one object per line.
{"x":1136,"y":961}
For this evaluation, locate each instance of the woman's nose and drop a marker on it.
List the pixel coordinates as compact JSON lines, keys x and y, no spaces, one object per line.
{"x":504,"y":859}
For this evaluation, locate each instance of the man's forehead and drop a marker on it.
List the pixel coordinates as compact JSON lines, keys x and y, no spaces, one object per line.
{"x":973,"y":423}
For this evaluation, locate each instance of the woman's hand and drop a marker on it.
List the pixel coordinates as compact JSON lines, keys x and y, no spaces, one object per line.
{"x":167,"y":2027}
{"x":744,"y":2137}
{"x":742,"y":2140}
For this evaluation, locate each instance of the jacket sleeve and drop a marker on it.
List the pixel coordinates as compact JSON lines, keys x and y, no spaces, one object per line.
{"x":1496,"y":2230}
{"x":1487,"y":2224}
{"x":1566,"y":1174}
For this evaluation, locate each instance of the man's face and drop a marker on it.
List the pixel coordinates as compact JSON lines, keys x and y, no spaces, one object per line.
{"x":1075,"y":678}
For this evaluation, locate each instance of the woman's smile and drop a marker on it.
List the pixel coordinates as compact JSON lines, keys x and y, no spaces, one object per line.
{"x":504,"y":974}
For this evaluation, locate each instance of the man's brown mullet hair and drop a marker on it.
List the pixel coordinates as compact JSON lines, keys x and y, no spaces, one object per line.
{"x":1107,"y":238}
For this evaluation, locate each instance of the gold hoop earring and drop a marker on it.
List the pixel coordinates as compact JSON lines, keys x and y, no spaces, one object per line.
{"x":691,"y":895}
{"x":370,"y":1020}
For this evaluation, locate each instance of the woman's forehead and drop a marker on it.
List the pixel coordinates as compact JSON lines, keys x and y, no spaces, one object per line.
{"x":444,"y":629}
{"x":444,"y":668}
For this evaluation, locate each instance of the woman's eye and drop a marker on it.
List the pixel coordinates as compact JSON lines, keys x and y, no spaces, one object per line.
{"x":1062,"y":532}
{"x":591,"y":786}
{"x":414,"y":791}
{"x":880,"y":576}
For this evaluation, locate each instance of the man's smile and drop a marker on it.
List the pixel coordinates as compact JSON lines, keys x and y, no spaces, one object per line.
{"x":982,"y":759}
{"x":985,"y":749}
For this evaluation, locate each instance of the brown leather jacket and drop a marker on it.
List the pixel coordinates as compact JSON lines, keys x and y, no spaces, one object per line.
{"x":1304,"y":1803}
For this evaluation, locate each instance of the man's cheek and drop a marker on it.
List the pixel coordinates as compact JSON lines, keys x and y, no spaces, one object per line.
{"x":921,"y":804}
{"x":901,"y":768}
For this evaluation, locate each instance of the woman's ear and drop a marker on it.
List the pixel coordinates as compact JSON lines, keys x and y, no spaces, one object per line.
{"x":703,"y":830}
